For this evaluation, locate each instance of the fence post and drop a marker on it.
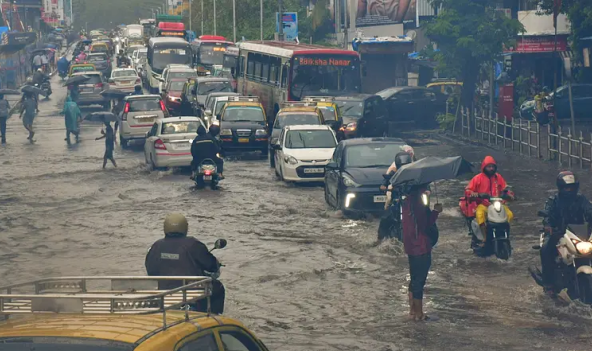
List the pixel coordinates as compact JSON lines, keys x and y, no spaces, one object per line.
{"x":520,"y":136}
{"x":529,"y":139}
{"x":469,"y":122}
{"x":569,"y":142}
{"x":581,"y":149}
{"x":462,"y":122}
{"x":559,"y":143}
{"x":505,"y":132}
{"x":512,"y":134}
{"x":549,"y":152}
{"x":538,"y":137}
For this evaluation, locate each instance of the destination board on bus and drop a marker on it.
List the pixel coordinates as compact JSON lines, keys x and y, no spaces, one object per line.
{"x":177,"y":34}
{"x":324,"y":61}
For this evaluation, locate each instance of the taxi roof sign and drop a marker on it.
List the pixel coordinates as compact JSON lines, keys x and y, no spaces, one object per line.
{"x":299,"y":104}
{"x":319,"y":98}
{"x":243,"y":98}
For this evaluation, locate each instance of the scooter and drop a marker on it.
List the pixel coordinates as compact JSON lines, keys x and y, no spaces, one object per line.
{"x":46,"y":86}
{"x":498,"y":228}
{"x":207,"y":173}
{"x":573,"y":266}
{"x":218,"y":291}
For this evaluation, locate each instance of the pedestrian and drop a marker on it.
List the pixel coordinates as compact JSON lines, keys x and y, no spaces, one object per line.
{"x":4,"y":112}
{"x":109,"y":137}
{"x":45,"y":63}
{"x":37,"y":62}
{"x":419,"y":236}
{"x":73,"y":117}
{"x":30,"y":109}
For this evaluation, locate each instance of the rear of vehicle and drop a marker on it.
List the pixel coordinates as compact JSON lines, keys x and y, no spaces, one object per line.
{"x":90,"y":91}
{"x":138,"y":116}
{"x":206,"y":86}
{"x":172,"y":141}
{"x":81,"y":68}
{"x":96,"y":48}
{"x":125,"y":79}
{"x":101,"y":61}
{"x":172,"y":95}
{"x":243,"y":127}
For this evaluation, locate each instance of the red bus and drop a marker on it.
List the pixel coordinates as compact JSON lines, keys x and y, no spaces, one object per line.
{"x":286,"y":71}
{"x":208,"y":51}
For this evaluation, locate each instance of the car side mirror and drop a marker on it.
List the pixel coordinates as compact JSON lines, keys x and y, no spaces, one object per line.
{"x":276,"y":146}
{"x":147,"y":134}
{"x":331,"y":165}
{"x":208,"y":112}
{"x":220,"y":244}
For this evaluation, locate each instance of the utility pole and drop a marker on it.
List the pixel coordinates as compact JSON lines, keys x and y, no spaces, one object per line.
{"x":281,"y":20}
{"x":202,"y":18}
{"x":190,"y":17}
{"x":215,"y":33}
{"x":11,"y":15}
{"x":346,"y":25}
{"x":234,"y":20}
{"x":261,"y":14}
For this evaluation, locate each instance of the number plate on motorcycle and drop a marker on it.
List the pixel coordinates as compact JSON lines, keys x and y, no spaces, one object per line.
{"x":314,"y":170}
{"x":243,"y":140}
{"x":207,"y":177}
{"x":380,"y":198}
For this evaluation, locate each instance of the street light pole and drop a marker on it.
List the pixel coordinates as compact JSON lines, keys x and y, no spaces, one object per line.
{"x":215,"y":33}
{"x":280,"y":21}
{"x":190,"y":17}
{"x":234,"y":19}
{"x":202,"y":18}
{"x":261,"y":14}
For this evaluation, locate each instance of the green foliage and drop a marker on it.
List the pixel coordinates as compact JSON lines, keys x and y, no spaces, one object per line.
{"x":470,"y":33}
{"x":110,"y":13}
{"x":446,"y":120}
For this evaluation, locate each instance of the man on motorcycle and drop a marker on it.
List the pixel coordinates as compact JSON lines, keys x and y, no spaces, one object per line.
{"x":39,"y":77}
{"x":63,"y":65}
{"x":565,"y":207}
{"x":214,"y":132}
{"x":203,"y":147}
{"x":122,"y":60}
{"x":180,"y":255}
{"x":487,"y":182}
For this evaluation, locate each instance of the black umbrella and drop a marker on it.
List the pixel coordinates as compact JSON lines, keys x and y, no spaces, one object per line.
{"x":114,"y":94}
{"x":9,"y":92}
{"x":101,"y":116}
{"x":76,"y":80}
{"x":33,"y":90}
{"x":431,"y":169}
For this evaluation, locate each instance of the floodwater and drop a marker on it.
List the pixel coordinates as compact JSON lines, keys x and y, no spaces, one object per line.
{"x":297,"y":273}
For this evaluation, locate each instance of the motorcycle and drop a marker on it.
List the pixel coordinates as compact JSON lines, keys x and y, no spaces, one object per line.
{"x":573,"y":265}
{"x":207,"y":173}
{"x":63,"y":74}
{"x":46,"y":86}
{"x":498,"y":228}
{"x":218,"y":291}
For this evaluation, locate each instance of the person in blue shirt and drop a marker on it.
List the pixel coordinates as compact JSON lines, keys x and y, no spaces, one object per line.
{"x":63,"y":65}
{"x":138,"y":90}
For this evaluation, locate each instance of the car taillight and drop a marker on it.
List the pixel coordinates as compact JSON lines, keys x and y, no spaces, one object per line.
{"x":162,"y":106}
{"x":159,"y":144}
{"x":208,"y":172}
{"x":126,"y":108}
{"x":138,"y":81}
{"x":99,"y":85}
{"x":124,"y":117}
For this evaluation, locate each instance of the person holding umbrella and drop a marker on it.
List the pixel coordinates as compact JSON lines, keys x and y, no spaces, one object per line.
{"x":73,"y":117}
{"x":109,"y":136}
{"x":29,"y":109}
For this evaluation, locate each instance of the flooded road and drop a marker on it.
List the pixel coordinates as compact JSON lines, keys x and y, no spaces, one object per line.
{"x":297,"y":273}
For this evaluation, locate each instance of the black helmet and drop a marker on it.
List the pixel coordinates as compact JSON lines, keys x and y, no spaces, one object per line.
{"x":567,"y":184}
{"x":402,"y":159}
{"x":214,"y":130}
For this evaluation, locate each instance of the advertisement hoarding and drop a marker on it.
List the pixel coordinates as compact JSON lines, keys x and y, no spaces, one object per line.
{"x":386,"y":12}
{"x":290,"y":22}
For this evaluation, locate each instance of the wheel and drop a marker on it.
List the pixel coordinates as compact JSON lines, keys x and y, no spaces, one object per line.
{"x":272,"y":159}
{"x":502,"y":249}
{"x":123,"y":142}
{"x":585,"y":288}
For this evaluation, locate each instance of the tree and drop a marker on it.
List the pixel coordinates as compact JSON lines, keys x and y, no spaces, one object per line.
{"x":470,"y":33}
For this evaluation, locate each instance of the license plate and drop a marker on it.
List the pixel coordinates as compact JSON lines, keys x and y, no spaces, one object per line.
{"x":125,"y":82}
{"x":208,"y":177}
{"x":87,"y":90}
{"x":243,"y":140}
{"x":181,"y":146}
{"x":380,"y":198}
{"x":314,"y":170}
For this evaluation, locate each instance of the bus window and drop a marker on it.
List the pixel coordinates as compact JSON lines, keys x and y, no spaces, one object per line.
{"x":284,"y":75}
{"x":257,"y":72}
{"x":265,"y":69}
{"x":251,"y":65}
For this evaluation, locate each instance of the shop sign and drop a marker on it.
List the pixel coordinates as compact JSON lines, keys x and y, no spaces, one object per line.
{"x":18,"y":38}
{"x":506,"y":101}
{"x":539,"y":44}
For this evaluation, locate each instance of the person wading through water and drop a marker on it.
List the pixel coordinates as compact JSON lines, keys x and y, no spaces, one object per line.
{"x":73,"y":117}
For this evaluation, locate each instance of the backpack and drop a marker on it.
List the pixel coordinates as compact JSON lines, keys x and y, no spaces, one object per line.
{"x":4,"y":108}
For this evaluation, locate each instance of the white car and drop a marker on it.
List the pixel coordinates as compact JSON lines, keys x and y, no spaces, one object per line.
{"x":176,"y":72}
{"x":124,"y":79}
{"x":137,"y":56}
{"x":168,"y":143}
{"x":303,"y":151}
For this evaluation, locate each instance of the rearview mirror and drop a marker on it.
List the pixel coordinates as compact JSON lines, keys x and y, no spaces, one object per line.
{"x":331,"y":165}
{"x":220,"y":244}
{"x":208,"y":112}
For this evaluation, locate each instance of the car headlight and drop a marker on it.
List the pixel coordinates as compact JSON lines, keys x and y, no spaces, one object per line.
{"x":497,"y":206}
{"x":425,"y":199}
{"x":348,"y":181}
{"x":226,"y":132}
{"x":260,"y":132}
{"x":584,"y":247}
{"x":351,"y":126}
{"x":291,"y":160}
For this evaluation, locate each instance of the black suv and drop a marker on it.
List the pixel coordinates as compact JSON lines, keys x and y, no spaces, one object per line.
{"x":415,"y":105}
{"x":364,"y":115}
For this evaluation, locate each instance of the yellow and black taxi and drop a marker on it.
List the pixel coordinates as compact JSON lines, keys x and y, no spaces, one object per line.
{"x":115,"y":314}
{"x":291,"y":114}
{"x":243,"y":125}
{"x":83,"y":67}
{"x":331,"y":113}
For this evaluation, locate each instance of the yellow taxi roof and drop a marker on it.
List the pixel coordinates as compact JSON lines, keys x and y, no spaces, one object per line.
{"x":443,"y":83}
{"x":299,"y":109}
{"x":243,"y":103}
{"x":121,"y":328}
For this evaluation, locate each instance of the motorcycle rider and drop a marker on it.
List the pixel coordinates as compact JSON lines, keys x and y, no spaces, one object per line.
{"x":122,"y":60}
{"x":63,"y":65}
{"x":39,"y":77}
{"x":214,"y":132}
{"x":203,"y":147}
{"x":180,"y":255}
{"x":489,"y":181}
{"x":565,"y":207}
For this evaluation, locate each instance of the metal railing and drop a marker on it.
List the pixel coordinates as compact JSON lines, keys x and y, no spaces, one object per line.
{"x":528,"y":137}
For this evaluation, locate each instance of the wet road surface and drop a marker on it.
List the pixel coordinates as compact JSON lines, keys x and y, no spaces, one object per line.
{"x":297,"y":273}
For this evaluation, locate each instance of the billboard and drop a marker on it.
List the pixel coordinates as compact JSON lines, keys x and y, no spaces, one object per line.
{"x":384,"y":12}
{"x":290,"y":25}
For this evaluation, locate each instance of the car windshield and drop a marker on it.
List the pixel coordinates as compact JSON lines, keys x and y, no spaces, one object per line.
{"x":303,"y":139}
{"x":371,"y":155}
{"x":204,"y":88}
{"x":94,"y":58}
{"x":219,"y":106}
{"x":140,"y":105}
{"x":293,"y":119}
{"x":61,"y":344}
{"x":176,"y":86}
{"x":163,"y":57}
{"x":186,"y":74}
{"x":243,"y":114}
{"x":350,"y":108}
{"x":328,"y":112}
{"x":124,"y":73}
{"x":142,"y":54}
{"x":180,"y":127}
{"x":212,"y":54}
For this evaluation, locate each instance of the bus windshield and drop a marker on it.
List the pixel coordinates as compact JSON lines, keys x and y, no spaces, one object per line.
{"x":325,"y":75}
{"x":212,"y":53}
{"x":162,"y":57}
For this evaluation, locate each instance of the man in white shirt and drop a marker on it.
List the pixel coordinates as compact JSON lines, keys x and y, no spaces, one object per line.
{"x":45,"y":62}
{"x":37,"y":62}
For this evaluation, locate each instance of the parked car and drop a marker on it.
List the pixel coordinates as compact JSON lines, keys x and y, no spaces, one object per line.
{"x":90,"y":91}
{"x":416,"y":105}
{"x":364,"y":115}
{"x":138,"y":116}
{"x":355,"y":173}
{"x":582,"y":101}
{"x":124,"y":79}
{"x":168,"y":143}
{"x":302,"y":151}
{"x":171,"y":95}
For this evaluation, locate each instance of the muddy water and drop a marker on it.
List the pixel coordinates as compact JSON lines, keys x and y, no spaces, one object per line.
{"x":297,"y":273}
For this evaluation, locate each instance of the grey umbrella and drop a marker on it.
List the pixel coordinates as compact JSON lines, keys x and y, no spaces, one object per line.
{"x":101,"y":116}
{"x":9,"y":92}
{"x":431,"y":169}
{"x":33,"y":90}
{"x":76,"y":80}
